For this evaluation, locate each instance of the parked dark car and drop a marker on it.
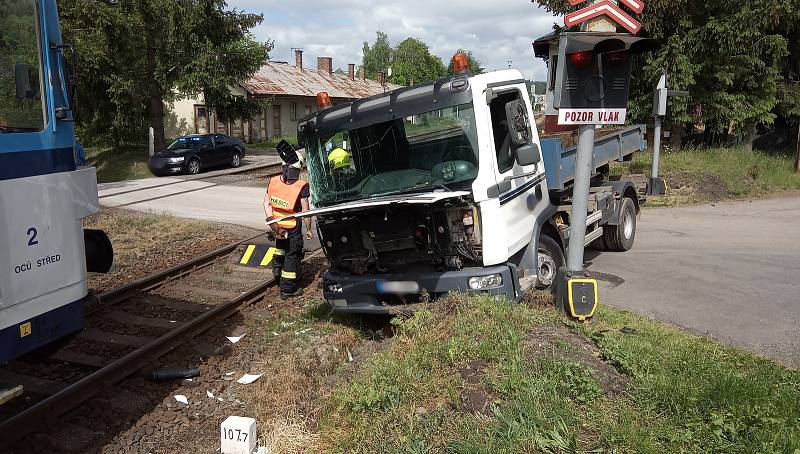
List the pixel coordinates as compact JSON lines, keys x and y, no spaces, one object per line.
{"x":193,"y":153}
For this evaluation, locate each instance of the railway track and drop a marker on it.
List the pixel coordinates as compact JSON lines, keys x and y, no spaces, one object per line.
{"x":127,"y":329}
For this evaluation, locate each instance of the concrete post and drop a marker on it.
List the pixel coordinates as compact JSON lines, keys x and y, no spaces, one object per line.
{"x":580,"y":198}
{"x":151,"y":141}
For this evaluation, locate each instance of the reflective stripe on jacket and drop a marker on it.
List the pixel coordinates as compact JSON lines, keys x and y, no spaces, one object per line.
{"x":283,"y":198}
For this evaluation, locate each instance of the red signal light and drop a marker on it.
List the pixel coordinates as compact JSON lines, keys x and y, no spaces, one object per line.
{"x":581,"y":59}
{"x":323,"y":100}
{"x":618,"y":58}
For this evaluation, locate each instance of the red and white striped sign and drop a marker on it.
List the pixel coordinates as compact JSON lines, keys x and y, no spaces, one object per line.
{"x":636,"y":5}
{"x":607,"y":8}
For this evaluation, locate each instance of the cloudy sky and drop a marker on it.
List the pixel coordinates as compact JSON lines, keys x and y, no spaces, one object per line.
{"x":496,"y":31}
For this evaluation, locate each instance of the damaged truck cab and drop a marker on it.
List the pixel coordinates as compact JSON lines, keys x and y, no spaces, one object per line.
{"x":444,"y":190}
{"x":443,"y":187}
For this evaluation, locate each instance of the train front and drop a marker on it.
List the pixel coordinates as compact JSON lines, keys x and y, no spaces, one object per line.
{"x":44,"y":194}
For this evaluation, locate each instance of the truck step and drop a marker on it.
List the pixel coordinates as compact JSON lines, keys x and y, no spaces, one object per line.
{"x":593,"y":235}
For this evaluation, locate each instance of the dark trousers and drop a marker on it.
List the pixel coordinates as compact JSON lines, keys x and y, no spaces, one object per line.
{"x":286,"y":263}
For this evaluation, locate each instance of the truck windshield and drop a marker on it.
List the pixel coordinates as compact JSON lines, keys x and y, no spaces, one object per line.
{"x":20,"y":74}
{"x":424,"y":152}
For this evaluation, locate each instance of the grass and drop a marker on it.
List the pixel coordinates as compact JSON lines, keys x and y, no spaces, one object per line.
{"x":683,"y":393}
{"x":272,"y":142}
{"x":147,"y":242}
{"x":119,"y":164}
{"x":702,"y":175}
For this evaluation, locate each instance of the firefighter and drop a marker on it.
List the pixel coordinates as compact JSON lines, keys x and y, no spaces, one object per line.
{"x":287,"y":194}
{"x":340,"y":160}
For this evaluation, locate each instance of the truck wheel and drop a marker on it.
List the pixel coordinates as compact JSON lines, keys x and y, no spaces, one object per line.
{"x":620,"y":237}
{"x":551,"y":258}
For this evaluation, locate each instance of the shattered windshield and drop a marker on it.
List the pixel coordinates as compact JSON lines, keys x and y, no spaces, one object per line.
{"x":435,"y":150}
{"x":20,"y":78}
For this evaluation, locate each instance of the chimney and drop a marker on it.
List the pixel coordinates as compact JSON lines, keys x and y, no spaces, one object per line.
{"x":362,"y":73}
{"x":325,"y":64}
{"x":351,"y":71}
{"x":298,"y":59}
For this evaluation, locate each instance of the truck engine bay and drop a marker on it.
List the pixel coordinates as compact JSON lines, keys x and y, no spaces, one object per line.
{"x":445,"y":236}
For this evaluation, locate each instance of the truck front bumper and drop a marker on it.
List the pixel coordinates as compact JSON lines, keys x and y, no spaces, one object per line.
{"x":385,"y":293}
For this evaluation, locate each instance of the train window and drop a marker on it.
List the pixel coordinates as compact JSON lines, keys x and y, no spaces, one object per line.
{"x":21,"y":106}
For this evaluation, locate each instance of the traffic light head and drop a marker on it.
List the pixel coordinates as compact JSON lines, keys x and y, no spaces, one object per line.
{"x":594,"y":69}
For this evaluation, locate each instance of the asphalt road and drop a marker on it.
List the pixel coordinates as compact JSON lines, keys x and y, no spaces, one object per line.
{"x":730,"y":271}
{"x":209,"y":196}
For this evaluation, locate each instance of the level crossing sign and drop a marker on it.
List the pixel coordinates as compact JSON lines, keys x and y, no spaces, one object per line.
{"x":609,"y":9}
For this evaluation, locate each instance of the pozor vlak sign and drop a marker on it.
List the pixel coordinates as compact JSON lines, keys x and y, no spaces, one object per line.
{"x":593,"y":68}
{"x":592,"y":116}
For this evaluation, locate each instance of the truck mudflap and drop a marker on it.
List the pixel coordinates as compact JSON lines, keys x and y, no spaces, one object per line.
{"x":386,"y":293}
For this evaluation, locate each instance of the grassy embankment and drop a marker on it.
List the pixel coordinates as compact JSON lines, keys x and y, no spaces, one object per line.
{"x":479,"y":376}
{"x":708,"y":175}
{"x":119,"y":164}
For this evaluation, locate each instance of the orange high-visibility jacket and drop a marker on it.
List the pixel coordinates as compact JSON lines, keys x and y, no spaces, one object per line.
{"x":283,"y":197}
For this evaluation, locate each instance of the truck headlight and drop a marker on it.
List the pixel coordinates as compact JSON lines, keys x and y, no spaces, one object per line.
{"x":486,"y":282}
{"x":334,"y":287}
{"x":175,"y":160}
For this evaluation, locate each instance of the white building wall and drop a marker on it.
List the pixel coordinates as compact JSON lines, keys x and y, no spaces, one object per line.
{"x":179,"y":117}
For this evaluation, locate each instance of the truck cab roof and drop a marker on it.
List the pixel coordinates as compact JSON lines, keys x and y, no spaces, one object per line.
{"x":404,"y":102}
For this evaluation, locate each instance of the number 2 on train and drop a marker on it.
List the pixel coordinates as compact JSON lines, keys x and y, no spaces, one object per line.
{"x":32,"y":232}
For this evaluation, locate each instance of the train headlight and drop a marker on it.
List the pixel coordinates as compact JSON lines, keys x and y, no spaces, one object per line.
{"x":175,"y":160}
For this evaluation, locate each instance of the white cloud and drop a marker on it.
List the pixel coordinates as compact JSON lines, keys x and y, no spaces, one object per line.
{"x":495,"y":31}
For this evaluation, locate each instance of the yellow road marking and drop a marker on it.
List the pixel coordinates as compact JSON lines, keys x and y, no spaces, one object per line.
{"x":247,"y":254}
{"x":268,"y":256}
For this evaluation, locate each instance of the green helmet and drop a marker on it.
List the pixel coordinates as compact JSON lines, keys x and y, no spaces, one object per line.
{"x":339,"y":159}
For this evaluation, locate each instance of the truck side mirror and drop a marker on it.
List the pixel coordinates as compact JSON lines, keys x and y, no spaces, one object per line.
{"x":22,"y":77}
{"x":519,"y":125}
{"x":528,"y":155}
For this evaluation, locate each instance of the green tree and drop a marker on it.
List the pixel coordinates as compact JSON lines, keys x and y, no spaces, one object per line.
{"x":727,"y":53}
{"x":413,"y":63}
{"x":138,"y":55}
{"x":474,"y":64}
{"x":378,"y":57}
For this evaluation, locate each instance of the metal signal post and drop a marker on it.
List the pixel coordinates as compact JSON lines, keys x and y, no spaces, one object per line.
{"x":592,"y":83}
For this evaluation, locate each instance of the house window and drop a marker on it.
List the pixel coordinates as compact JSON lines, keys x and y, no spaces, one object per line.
{"x":293,"y":111}
{"x":308,"y":110}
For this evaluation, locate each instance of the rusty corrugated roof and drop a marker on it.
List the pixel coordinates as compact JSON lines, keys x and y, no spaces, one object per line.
{"x":283,"y":79}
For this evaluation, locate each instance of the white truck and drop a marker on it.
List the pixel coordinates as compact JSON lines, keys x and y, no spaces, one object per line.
{"x":448,"y":187}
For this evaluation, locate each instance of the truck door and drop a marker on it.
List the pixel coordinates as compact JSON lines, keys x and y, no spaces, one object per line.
{"x":520,"y":189}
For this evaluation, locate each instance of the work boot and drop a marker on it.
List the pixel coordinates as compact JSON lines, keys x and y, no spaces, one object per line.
{"x":296,"y":293}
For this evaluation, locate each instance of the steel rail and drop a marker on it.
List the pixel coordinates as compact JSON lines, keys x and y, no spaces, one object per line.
{"x":162,"y":277}
{"x":47,"y":411}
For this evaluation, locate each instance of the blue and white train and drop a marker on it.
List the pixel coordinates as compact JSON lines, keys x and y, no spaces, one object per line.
{"x":44,"y":192}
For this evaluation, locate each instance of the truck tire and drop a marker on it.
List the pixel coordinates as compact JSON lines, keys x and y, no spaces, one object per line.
{"x":551,"y":258}
{"x":620,"y":237}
